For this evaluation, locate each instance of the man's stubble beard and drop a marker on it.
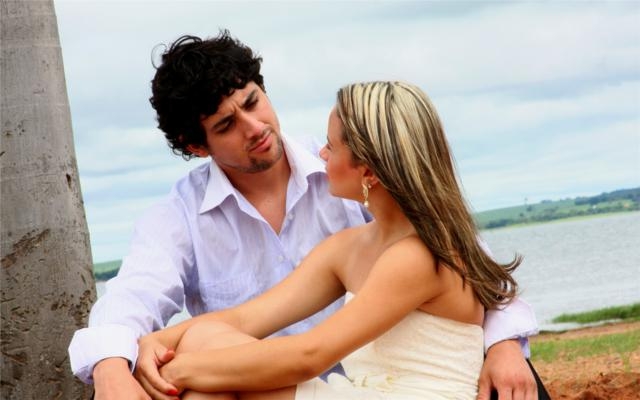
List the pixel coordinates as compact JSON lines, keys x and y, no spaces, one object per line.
{"x":258,"y":165}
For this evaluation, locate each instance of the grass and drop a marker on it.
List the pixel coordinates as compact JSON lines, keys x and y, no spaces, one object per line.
{"x":620,"y":312}
{"x":616,"y":343}
{"x":569,"y":349}
{"x":106,"y":270}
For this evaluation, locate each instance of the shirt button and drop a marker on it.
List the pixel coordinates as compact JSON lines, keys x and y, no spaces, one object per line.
{"x":290,"y":216}
{"x":280,"y":258}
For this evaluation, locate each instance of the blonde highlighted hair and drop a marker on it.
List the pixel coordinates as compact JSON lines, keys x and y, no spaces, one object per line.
{"x":394,"y":129}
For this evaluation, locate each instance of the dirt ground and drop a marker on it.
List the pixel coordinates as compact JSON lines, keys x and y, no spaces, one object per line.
{"x":601,"y":377}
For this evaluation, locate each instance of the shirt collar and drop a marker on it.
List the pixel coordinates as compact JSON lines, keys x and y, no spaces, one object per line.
{"x":302,"y":161}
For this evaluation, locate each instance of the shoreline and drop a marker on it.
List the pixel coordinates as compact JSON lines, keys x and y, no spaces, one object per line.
{"x":561,"y":219}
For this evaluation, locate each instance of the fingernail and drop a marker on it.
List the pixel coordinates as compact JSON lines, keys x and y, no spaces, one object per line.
{"x":172,"y":392}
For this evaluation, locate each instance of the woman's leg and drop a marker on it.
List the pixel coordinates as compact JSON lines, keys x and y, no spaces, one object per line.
{"x":215,"y":335}
{"x":210,"y":336}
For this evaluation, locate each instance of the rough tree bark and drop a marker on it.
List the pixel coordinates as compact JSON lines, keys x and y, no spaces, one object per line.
{"x":47,"y":283}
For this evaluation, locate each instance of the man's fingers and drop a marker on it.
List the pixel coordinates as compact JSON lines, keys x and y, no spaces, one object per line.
{"x":484,"y":389}
{"x":505,"y":394}
{"x":524,"y":388}
{"x":531,"y":392}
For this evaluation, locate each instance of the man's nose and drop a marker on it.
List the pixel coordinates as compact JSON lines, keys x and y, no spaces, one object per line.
{"x":251,"y":126}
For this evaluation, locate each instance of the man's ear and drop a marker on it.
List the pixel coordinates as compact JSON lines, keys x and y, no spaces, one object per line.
{"x":198,"y":150}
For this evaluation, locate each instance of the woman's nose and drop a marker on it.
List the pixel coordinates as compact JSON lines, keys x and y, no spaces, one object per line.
{"x":323,"y":152}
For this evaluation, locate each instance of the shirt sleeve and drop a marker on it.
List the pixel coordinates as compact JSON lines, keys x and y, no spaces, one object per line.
{"x":146,"y":293}
{"x":515,"y":321}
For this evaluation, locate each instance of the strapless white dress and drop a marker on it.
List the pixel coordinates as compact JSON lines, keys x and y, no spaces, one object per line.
{"x":423,"y":357}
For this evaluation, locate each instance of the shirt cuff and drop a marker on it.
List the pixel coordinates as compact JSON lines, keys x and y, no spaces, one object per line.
{"x":514,"y":321}
{"x":91,"y":345}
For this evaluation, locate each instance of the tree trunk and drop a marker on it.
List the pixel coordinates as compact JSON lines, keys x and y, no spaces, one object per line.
{"x":47,"y":283}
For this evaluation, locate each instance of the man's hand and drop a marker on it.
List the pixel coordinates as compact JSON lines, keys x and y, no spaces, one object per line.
{"x":151,"y":356}
{"x":506,"y":370}
{"x":113,"y":381}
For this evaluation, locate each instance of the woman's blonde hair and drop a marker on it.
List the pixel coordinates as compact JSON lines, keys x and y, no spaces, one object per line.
{"x":394,"y":129}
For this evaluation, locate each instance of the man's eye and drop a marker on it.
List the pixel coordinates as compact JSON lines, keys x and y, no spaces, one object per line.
{"x":250,"y":105}
{"x":223,"y":128}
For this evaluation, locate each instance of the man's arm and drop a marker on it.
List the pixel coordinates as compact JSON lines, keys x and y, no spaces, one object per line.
{"x":506,"y":345}
{"x":113,"y":380}
{"x":148,"y":290}
{"x":515,"y":321}
{"x":91,"y":345}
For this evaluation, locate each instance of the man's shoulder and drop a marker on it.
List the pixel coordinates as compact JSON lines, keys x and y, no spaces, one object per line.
{"x":187,"y":191}
{"x":193,"y":181}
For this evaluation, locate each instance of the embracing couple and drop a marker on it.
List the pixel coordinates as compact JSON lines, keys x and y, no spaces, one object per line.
{"x":359,"y":263}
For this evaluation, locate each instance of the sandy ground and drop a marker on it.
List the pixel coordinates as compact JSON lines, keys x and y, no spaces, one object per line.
{"x":601,"y":377}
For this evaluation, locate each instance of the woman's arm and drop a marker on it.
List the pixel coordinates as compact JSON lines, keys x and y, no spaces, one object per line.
{"x":401,"y":280}
{"x":308,"y":289}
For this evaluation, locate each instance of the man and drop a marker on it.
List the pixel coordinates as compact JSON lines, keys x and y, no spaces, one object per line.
{"x":235,"y":226}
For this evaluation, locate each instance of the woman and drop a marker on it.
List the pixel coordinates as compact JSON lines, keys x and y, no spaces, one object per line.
{"x":416,"y":279}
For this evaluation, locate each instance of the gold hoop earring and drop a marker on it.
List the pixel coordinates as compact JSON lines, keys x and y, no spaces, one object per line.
{"x":365,"y":193}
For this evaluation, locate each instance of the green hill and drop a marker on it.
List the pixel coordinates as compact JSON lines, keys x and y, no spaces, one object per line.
{"x":547,"y":210}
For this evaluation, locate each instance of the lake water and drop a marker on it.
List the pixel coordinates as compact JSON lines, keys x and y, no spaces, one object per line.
{"x":574,"y":265}
{"x":569,"y":265}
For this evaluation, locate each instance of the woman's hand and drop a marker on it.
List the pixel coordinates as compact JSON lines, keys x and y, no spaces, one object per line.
{"x":151,"y":356}
{"x":169,"y":372}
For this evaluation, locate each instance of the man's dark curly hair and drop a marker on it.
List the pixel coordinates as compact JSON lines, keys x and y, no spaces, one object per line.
{"x":194,"y":76}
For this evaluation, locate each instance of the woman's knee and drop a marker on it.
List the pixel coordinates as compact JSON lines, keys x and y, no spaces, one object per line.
{"x":211,"y":335}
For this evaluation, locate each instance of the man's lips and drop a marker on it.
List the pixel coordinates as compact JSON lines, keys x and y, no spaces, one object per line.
{"x":262,"y":144}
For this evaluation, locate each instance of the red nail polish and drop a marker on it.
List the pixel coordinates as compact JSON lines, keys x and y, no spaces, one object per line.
{"x":172,"y":392}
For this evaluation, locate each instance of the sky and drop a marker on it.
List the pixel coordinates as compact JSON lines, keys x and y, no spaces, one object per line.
{"x":539,"y":100}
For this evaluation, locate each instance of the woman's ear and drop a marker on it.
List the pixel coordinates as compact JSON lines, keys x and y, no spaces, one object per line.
{"x":369,"y":176}
{"x":198,"y":150}
{"x":373,"y":180}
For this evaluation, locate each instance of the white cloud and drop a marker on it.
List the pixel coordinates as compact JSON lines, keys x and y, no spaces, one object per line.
{"x":574,"y":163}
{"x":540,"y":100}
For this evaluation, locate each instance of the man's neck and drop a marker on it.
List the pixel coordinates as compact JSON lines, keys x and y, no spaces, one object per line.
{"x":260,"y":183}
{"x":266,"y":190}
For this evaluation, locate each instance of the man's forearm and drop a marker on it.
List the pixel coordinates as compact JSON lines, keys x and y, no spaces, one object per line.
{"x":111,"y":367}
{"x":113,"y":380}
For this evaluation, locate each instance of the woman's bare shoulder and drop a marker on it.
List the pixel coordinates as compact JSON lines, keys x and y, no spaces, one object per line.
{"x":341,"y":243}
{"x":412,"y":244}
{"x":350,"y":234}
{"x":411,"y":250}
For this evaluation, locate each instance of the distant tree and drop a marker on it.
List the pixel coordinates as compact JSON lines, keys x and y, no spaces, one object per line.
{"x":47,"y":284}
